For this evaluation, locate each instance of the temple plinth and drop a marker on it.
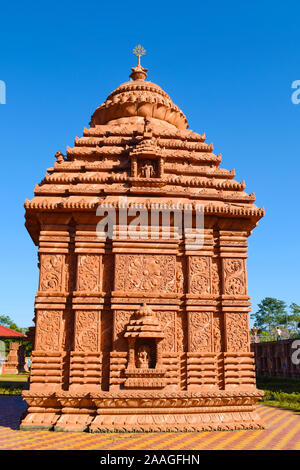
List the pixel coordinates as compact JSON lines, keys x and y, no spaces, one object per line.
{"x":141,"y":329}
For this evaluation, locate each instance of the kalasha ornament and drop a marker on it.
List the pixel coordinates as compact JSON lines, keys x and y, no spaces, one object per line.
{"x":141,"y":319}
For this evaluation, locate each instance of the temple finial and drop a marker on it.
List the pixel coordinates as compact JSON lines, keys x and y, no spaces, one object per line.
{"x":139,"y":51}
{"x":138,"y":72}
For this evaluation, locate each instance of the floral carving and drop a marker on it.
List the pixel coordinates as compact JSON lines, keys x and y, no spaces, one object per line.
{"x":51,"y":272}
{"x":200,"y":275}
{"x":89,"y":273}
{"x":234,"y":277}
{"x":48,"y":336}
{"x":121,"y":320}
{"x":87,"y":330}
{"x":237,"y":336}
{"x":167,"y":321}
{"x":145,"y":273}
{"x":200,"y":331}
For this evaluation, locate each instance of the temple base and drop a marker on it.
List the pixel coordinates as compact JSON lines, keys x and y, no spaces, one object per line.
{"x":41,"y":421}
{"x":188,"y":422}
{"x":143,"y":411}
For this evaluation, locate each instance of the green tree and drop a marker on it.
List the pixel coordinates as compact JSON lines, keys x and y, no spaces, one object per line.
{"x":266,"y":336}
{"x":271,"y":313}
{"x":5,"y":320}
{"x":294,"y":317}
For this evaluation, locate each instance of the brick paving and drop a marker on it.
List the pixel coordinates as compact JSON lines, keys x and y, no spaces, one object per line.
{"x":282,"y":433}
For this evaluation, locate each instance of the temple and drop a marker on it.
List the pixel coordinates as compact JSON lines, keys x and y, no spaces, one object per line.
{"x":141,"y":326}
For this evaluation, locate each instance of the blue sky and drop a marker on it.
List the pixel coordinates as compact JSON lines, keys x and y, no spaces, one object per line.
{"x":228,"y":65}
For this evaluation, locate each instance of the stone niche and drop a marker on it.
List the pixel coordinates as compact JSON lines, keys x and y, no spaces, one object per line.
{"x":141,"y":333}
{"x":144,"y":369}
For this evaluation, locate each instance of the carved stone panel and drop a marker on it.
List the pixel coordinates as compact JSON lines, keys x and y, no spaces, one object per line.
{"x":199,"y":271}
{"x":237,"y":332}
{"x":200,"y":331}
{"x":88,"y":273}
{"x":204,"y":275}
{"x":121,"y":320}
{"x":87,"y":330}
{"x":49,"y":330}
{"x":145,"y":273}
{"x":234,"y":272}
{"x":168,"y":324}
{"x":51,"y":273}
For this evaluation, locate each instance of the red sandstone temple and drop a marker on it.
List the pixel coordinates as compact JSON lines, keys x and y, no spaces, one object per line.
{"x":146,"y":333}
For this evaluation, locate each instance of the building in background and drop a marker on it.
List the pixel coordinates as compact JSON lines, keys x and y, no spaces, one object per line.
{"x":13,"y":363}
{"x":277,"y":358}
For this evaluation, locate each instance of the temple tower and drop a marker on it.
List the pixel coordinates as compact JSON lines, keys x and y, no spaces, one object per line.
{"x":141,"y":326}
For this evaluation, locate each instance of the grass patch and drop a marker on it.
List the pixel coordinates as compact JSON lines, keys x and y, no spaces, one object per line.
{"x":280,"y":392}
{"x":14,"y":377}
{"x":13,"y":384}
{"x":11,"y":390}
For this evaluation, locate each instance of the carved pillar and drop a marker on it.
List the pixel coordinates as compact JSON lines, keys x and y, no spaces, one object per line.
{"x":50,"y":356}
{"x":203,"y":291}
{"x":239,"y":368}
{"x":86,"y":358}
{"x":88,"y":299}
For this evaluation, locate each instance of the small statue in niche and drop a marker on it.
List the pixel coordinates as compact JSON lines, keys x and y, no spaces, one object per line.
{"x":59,"y":157}
{"x":147,"y":123}
{"x":147,"y":171}
{"x":143,"y":357}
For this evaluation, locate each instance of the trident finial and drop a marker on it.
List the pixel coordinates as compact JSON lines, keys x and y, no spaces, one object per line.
{"x":139,"y":51}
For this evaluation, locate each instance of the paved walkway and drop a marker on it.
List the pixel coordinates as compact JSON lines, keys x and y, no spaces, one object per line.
{"x":282,"y":433}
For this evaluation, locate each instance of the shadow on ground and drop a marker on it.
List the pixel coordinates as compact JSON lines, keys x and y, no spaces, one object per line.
{"x":11,"y":410}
